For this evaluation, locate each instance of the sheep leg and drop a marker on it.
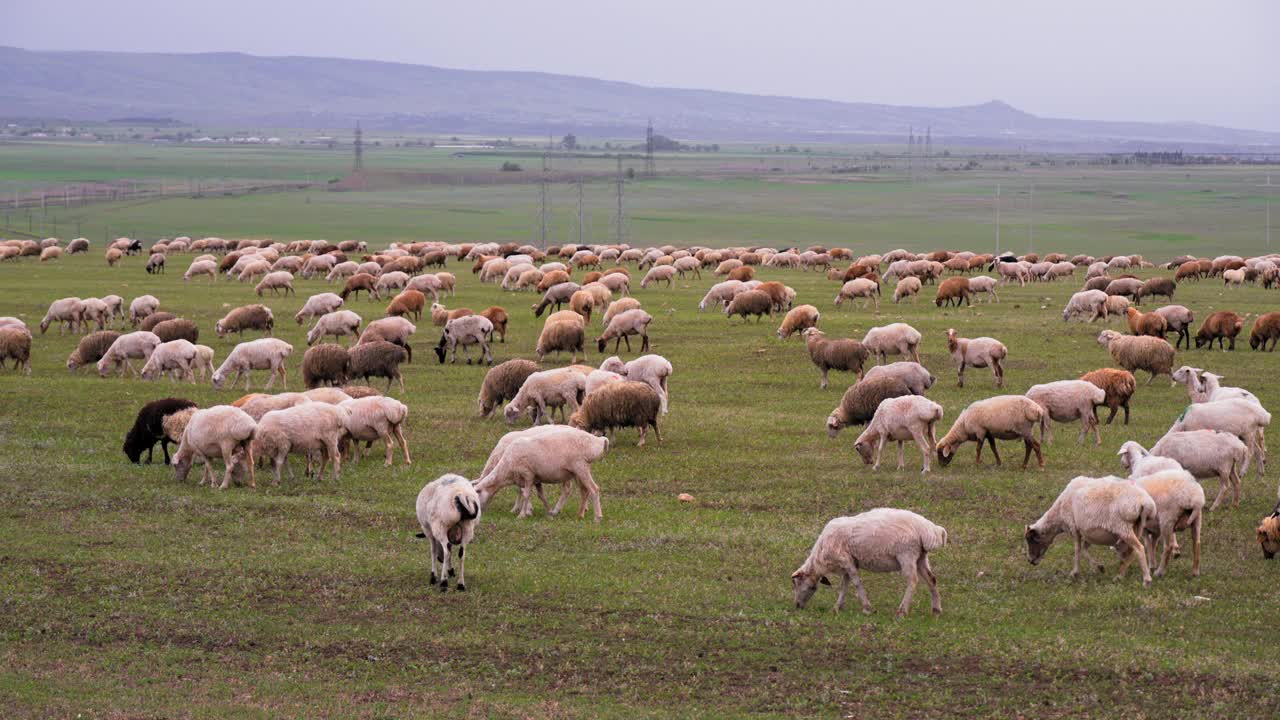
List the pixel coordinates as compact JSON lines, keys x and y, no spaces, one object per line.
{"x":1031,"y":444}
{"x":462,"y":569}
{"x":991,"y":440}
{"x":643,"y":429}
{"x":1168,"y":538}
{"x":923,"y":569}
{"x":435,"y":558}
{"x":908,"y":566}
{"x":331,"y":453}
{"x":1225,"y":482}
{"x":592,"y":490}
{"x":879,"y":449}
{"x":901,"y":460}
{"x":922,"y":441}
{"x":564,"y":496}
{"x":400,"y":379}
{"x":823,"y":384}
{"x":960,"y":377}
{"x":998,"y":370}
{"x":1136,"y":551}
{"x":229,"y":463}
{"x":1075,"y":559}
{"x":851,"y":572}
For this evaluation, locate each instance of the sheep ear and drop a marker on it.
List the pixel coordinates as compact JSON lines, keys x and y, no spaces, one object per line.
{"x":824,"y":580}
{"x":796,"y":574}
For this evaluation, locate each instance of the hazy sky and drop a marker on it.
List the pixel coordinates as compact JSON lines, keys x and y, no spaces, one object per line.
{"x":1203,"y":60}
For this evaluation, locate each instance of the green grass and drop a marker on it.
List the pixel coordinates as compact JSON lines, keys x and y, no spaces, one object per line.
{"x":127,"y":594}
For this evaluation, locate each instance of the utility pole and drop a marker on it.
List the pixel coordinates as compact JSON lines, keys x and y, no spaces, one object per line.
{"x":619,"y":221}
{"x":582,"y":215}
{"x":911,"y":146}
{"x":1031,"y":207}
{"x":650,"y":168}
{"x":544,"y":211}
{"x":359,"y":145}
{"x":1268,"y":213}
{"x":997,"y":220}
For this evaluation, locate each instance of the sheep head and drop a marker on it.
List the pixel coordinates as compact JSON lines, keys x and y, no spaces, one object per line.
{"x":833,"y":425}
{"x":1038,"y":544}
{"x":864,"y":450}
{"x":805,"y":585}
{"x":1269,"y":535}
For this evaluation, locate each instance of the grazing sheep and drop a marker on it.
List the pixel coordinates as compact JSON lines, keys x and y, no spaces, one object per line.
{"x":175,"y":356}
{"x":1203,"y":453}
{"x":552,"y":277}
{"x":893,"y":339}
{"x":261,"y":354}
{"x":361,"y":281}
{"x":1125,"y":287}
{"x":979,"y":352}
{"x":91,"y":348}
{"x":1152,"y":323}
{"x":906,"y":287}
{"x":953,"y":290}
{"x":564,"y":331}
{"x":751,"y":302}
{"x":1090,"y":302}
{"x":15,"y":343}
{"x":720,"y":294}
{"x":557,"y":295}
{"x":1221,"y":325}
{"x":860,"y":288}
{"x":1266,"y":327}
{"x":1178,"y":319}
{"x":618,"y":307}
{"x":1096,"y":511}
{"x":858,"y":404}
{"x":623,"y":326}
{"x":220,"y":431}
{"x":395,"y":330}
{"x":257,"y":404}
{"x":1133,"y":353}
{"x":653,"y":370}
{"x":274,"y":281}
{"x":377,"y":418}
{"x":503,"y":382}
{"x":662,"y":273}
{"x":67,"y":312}
{"x":440,"y":315}
{"x":339,"y":323}
{"x":916,"y":376}
{"x":176,"y":329}
{"x":1162,"y":286}
{"x":1205,"y":387}
{"x":148,"y":429}
{"x":1118,"y":385}
{"x":327,"y":364}
{"x":1117,"y":305}
{"x":175,"y":423}
{"x":910,"y":417}
{"x":879,"y":540}
{"x":113,"y":257}
{"x":448,"y":510}
{"x":1179,"y":503}
{"x":151,"y":321}
{"x":1269,"y":534}
{"x":545,"y":389}
{"x":842,"y":354}
{"x":378,"y":358}
{"x":1003,"y":417}
{"x":204,"y":361}
{"x":1240,"y":417}
{"x":306,"y":428}
{"x":560,"y":455}
{"x":1068,"y":401}
{"x":499,"y":318}
{"x":783,"y":297}
{"x":465,"y":331}
{"x":622,"y":404}
{"x":983,"y":285}
{"x":247,"y":317}
{"x":79,"y":245}
{"x":131,"y":346}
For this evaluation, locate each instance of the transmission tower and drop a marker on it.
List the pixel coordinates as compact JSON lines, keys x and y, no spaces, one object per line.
{"x":581,"y":231}
{"x":544,"y":206}
{"x":359,"y":162}
{"x":650,"y":169}
{"x":619,"y":216}
{"x":928,"y":146}
{"x":911,"y":149}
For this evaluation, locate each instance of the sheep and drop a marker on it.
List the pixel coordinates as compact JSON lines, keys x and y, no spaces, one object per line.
{"x":447,"y":282}
{"x":628,"y":403}
{"x":1067,"y":401}
{"x":1162,"y":286}
{"x":728,"y":266}
{"x":273,"y":281}
{"x":660,"y":273}
{"x":393,"y":329}
{"x":258,"y":404}
{"x":1266,"y":327}
{"x":1240,"y":417}
{"x":551,"y":278}
{"x":687,"y":265}
{"x":979,"y":352}
{"x":559,"y":455}
{"x":67,"y":312}
{"x":893,"y":339}
{"x":858,"y":404}
{"x":1220,"y":325}
{"x":860,"y":288}
{"x":79,"y":245}
{"x":150,"y":322}
{"x":1091,"y":302}
{"x":953,"y":290}
{"x":113,"y":257}
{"x":130,"y":346}
{"x":358,"y":282}
{"x":909,"y":417}
{"x":984,"y":285}
{"x":1268,"y":534}
{"x":1118,"y":387}
{"x":502,"y":383}
{"x":1203,"y":453}
{"x":331,"y":395}
{"x":448,"y":510}
{"x":1133,"y":353}
{"x":1140,"y":323}
{"x":340,"y":323}
{"x":616,"y":282}
{"x":465,"y":331}
{"x":440,"y":315}
{"x":148,"y":429}
{"x":623,"y":326}
{"x":879,"y":540}
{"x":91,"y":348}
{"x":203,"y":361}
{"x":307,"y":428}
{"x":247,"y":317}
{"x":176,"y":329}
{"x":222,"y":431}
{"x":1003,"y":417}
{"x":1096,"y":511}
{"x":377,"y":418}
{"x":291,"y":263}
{"x":327,"y":364}
{"x":906,"y":287}
{"x":1178,"y":319}
{"x":916,"y":376}
{"x":176,"y":356}
{"x":15,"y":343}
{"x":719,"y":294}
{"x":751,"y":302}
{"x":175,"y":423}
{"x":564,"y":331}
{"x":545,"y":389}
{"x":378,"y":358}
{"x":261,"y":354}
{"x":556,"y":295}
{"x":1205,"y":387}
{"x":10,"y":321}
{"x":1116,"y":305}
{"x":251,"y":268}
{"x":1233,"y":277}
{"x":599,"y":378}
{"x":653,"y":370}
{"x":843,"y":354}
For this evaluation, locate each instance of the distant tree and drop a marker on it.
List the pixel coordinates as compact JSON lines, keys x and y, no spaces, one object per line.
{"x":631,"y":173}
{"x":511,"y":167}
{"x":569,"y":142}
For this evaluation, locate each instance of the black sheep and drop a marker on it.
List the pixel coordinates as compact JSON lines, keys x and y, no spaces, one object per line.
{"x":148,"y":429}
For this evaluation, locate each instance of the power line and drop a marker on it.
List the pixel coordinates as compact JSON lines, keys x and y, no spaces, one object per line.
{"x":650,"y":168}
{"x":619,"y":214}
{"x":544,"y":207}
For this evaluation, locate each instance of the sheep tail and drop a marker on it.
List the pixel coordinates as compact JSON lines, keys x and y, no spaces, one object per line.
{"x":465,"y":512}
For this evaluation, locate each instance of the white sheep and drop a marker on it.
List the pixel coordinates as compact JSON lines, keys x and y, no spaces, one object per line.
{"x":562,"y":455}
{"x":893,"y":339}
{"x":913,"y":374}
{"x":306,"y":428}
{"x":1179,"y":506}
{"x":176,"y":356}
{"x":318,"y":306}
{"x":1068,"y":401}
{"x":1205,"y":387}
{"x":259,"y":404}
{"x":377,"y":417}
{"x":979,"y":352}
{"x":719,"y":294}
{"x":599,"y":378}
{"x":141,"y":307}
{"x":910,"y":417}
{"x":660,"y":273}
{"x":653,"y":370}
{"x":394,"y":280}
{"x":204,"y":361}
{"x":553,"y":389}
{"x":500,"y":448}
{"x":465,"y":331}
{"x":879,"y":540}
{"x":67,"y":312}
{"x":131,"y":346}
{"x":220,"y":431}
{"x":116,"y":304}
{"x":1087,"y":302}
{"x":261,"y":354}
{"x":1140,"y":462}
{"x":1242,"y":418}
{"x":906,"y":287}
{"x":347,"y":269}
{"x":1203,"y":453}
{"x":1096,"y":511}
{"x":448,"y":510}
{"x":622,"y":326}
{"x":1003,"y":417}
{"x":339,"y":324}
{"x":331,"y":395}
{"x":869,"y":290}
{"x":278,"y":280}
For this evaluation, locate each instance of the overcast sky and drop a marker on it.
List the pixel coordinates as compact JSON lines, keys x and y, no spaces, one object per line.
{"x":1209,"y":61}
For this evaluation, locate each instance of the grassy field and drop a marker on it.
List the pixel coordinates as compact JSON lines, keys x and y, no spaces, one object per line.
{"x":126,"y":594}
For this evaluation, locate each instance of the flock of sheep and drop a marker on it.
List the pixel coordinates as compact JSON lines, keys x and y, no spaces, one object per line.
{"x":1219,"y":435}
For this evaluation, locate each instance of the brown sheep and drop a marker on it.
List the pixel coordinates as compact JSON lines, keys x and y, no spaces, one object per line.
{"x":1157,"y":286}
{"x":1141,"y":323}
{"x":1221,"y":325}
{"x":564,"y":331}
{"x":581,"y":302}
{"x":591,"y":277}
{"x":441,"y":316}
{"x":744,"y":273}
{"x":553,"y":278}
{"x":177,"y":329}
{"x":953,"y":290}
{"x":499,"y":318}
{"x":248,"y":317}
{"x":408,"y":302}
{"x":781,"y":295}
{"x":15,"y":343}
{"x":799,"y":319}
{"x":1189,"y":270}
{"x":1098,"y":283}
{"x":378,"y":359}
{"x":502,"y":382}
{"x":91,"y":349}
{"x":1119,"y":385}
{"x":113,"y":257}
{"x":858,"y":404}
{"x":626,"y":403}
{"x":151,"y":321}
{"x":1266,"y":327}
{"x":358,"y":282}
{"x":326,"y":364}
{"x":751,"y":302}
{"x":844,"y":354}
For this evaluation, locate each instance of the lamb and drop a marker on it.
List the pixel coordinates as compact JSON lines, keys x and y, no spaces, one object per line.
{"x":175,"y":356}
{"x":623,"y":326}
{"x":503,"y":382}
{"x":377,"y":418}
{"x":916,"y":376}
{"x":1096,"y":511}
{"x":1203,"y":453}
{"x":113,"y":257}
{"x":358,"y":282}
{"x":1067,"y":401}
{"x":326,"y":364}
{"x":556,"y":295}
{"x":545,"y":389}
{"x":1140,"y":463}
{"x":879,"y":540}
{"x":176,"y":329}
{"x":622,"y":404}
{"x":262,"y":354}
{"x":378,"y":358}
{"x":979,"y":352}
{"x":204,"y":361}
{"x":719,"y":294}
{"x":220,"y":431}
{"x":1117,"y":305}
{"x":687,"y":265}
{"x":953,"y":290}
{"x":858,"y":404}
{"x":564,"y":331}
{"x":893,"y":339}
{"x":653,"y":370}
{"x":79,"y":245}
{"x":465,"y":331}
{"x":658,"y":274}
{"x":247,"y":317}
{"x":148,"y":429}
{"x":1118,"y":387}
{"x":340,"y":323}
{"x":130,"y":346}
{"x":1003,"y":417}
{"x":67,"y":312}
{"x":1178,"y":319}
{"x":302,"y":429}
{"x":1091,"y":302}
{"x":1266,"y":327}
{"x":90,"y":349}
{"x":1133,"y":353}
{"x":1244,"y":419}
{"x":910,"y":417}
{"x":860,"y":288}
{"x":843,"y":354}
{"x":1221,"y":325}
{"x":201,"y":267}
{"x":561,"y":455}
{"x":1162,"y":286}
{"x":499,"y":318}
{"x":448,"y":511}
{"x":906,"y":287}
{"x":1152,"y":323}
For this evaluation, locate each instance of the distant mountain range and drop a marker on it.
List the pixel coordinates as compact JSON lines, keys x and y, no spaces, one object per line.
{"x":234,"y":89}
